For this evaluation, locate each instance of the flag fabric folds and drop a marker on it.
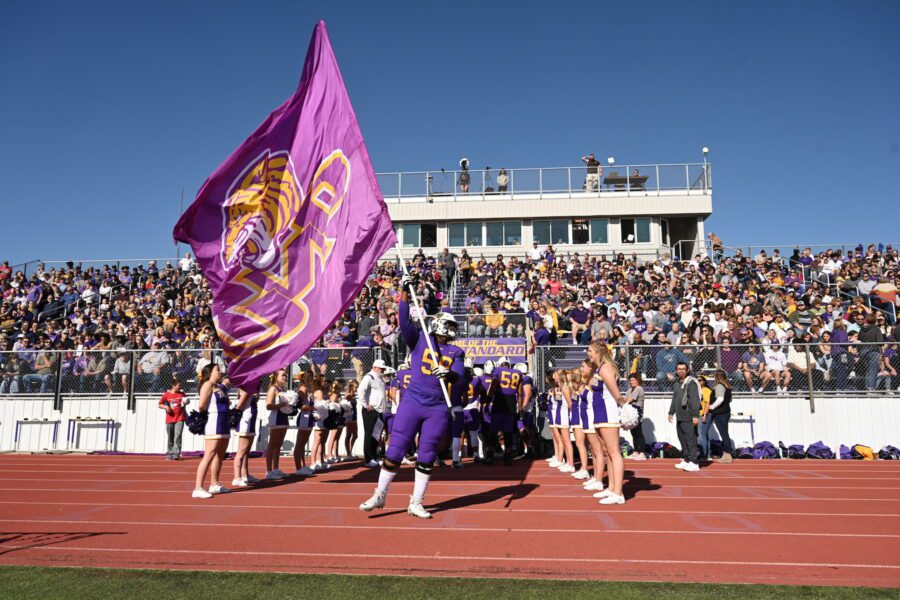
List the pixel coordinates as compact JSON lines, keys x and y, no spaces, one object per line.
{"x":289,"y":227}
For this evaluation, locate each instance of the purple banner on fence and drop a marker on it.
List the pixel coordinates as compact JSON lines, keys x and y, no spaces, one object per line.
{"x":484,"y":349}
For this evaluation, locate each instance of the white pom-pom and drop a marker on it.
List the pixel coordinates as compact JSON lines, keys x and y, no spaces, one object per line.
{"x":321,"y":410}
{"x":290,"y":397}
{"x":347,"y":407}
{"x":286,"y":401}
{"x":629,"y":417}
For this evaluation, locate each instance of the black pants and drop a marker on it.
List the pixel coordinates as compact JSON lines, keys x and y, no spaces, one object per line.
{"x":687,"y":437}
{"x":637,"y":434}
{"x":370,"y":444}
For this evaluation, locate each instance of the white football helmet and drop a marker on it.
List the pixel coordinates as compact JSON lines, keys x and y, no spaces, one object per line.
{"x":488,"y":367}
{"x":478,"y":371}
{"x":521,"y":368}
{"x":503,"y":361}
{"x":444,"y":324}
{"x":403,"y":365}
{"x":469,"y":363}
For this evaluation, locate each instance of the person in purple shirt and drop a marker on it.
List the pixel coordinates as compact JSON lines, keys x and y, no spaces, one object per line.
{"x":423,"y":410}
{"x":579,"y":318}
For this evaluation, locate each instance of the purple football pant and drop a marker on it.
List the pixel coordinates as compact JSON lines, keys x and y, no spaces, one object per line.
{"x":388,"y":422}
{"x":457,"y":422}
{"x":502,"y":422}
{"x":431,"y":423}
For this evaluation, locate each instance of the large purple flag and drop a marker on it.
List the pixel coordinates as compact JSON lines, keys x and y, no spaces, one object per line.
{"x":289,"y":227}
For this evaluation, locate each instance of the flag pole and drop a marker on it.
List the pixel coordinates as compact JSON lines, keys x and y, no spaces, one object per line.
{"x":415,"y":300}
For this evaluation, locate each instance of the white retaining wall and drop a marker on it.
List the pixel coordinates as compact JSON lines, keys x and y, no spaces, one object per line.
{"x":874,"y":421}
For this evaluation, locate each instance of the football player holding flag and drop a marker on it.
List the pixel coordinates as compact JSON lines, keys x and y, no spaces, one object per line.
{"x":424,"y":410}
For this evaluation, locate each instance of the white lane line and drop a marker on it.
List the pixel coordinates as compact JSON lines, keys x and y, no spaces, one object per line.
{"x":643,"y":494}
{"x":495,"y":510}
{"x":455,"y":529}
{"x":735,"y":483}
{"x":443,"y":558}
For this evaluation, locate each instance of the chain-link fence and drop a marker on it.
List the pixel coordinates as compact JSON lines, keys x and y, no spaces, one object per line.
{"x":128,"y":373}
{"x":768,"y":369}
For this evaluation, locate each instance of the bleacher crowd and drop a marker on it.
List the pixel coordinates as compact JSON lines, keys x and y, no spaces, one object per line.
{"x":769,"y":321}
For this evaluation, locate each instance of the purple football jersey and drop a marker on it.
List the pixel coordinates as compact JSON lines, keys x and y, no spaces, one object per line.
{"x":425,"y":388}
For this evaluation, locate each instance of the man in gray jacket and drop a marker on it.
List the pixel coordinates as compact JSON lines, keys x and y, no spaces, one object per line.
{"x":685,"y":408}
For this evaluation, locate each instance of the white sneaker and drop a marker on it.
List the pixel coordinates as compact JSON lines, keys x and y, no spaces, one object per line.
{"x":373,"y":463}
{"x":252,"y":479}
{"x":273,"y":476}
{"x":376,"y":501}
{"x":594,"y":487}
{"x":613,"y":499}
{"x":218,"y":489}
{"x":417,"y":510}
{"x":281,"y":473}
{"x":239,"y":482}
{"x":551,"y":459}
{"x":588,"y":482}
{"x":582,"y":474}
{"x":602,"y":494}
{"x":691,"y":467}
{"x":304,"y":471}
{"x":201,"y":493}
{"x":318,"y":467}
{"x":553,"y":463}
{"x":681,"y":465}
{"x":566,"y":468}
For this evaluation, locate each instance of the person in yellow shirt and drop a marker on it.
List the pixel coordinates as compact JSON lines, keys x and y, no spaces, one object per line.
{"x":494,"y":321}
{"x":703,"y":426}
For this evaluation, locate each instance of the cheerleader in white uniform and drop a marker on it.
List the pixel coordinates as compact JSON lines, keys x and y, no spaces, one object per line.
{"x":336,"y":414}
{"x":319,"y":433}
{"x":605,"y":392}
{"x":588,"y":418}
{"x":572,"y":392}
{"x":245,"y":432}
{"x":559,"y":423}
{"x":304,"y":424}
{"x":278,"y":423}
{"x":214,"y":401}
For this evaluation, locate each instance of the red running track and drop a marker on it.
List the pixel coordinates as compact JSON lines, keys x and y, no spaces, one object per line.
{"x":785,"y":522}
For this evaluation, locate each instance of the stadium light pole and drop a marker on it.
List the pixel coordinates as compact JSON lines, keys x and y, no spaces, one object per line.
{"x":705,"y":169}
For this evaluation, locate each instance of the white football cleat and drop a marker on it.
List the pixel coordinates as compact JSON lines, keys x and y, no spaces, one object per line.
{"x":417,"y":510}
{"x":376,"y":501}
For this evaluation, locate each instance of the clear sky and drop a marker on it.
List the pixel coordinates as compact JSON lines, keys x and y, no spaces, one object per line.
{"x":108,"y":108}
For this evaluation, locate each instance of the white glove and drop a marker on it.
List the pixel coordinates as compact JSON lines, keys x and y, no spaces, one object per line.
{"x":406,"y":281}
{"x":440,"y":372}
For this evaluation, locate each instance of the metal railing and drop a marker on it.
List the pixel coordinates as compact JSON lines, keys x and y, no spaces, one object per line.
{"x":755,"y":369}
{"x":487,"y":184}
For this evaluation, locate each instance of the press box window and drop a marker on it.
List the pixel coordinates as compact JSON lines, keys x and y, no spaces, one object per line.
{"x":637,"y":229}
{"x":551,"y":232}
{"x":416,"y":235}
{"x":504,"y":233}
{"x":464,"y":234}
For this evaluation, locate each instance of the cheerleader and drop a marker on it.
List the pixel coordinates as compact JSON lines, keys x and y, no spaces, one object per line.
{"x":572,"y":392}
{"x":305,"y":420}
{"x":320,"y":413}
{"x":606,"y":400}
{"x":213,"y":401}
{"x":245,"y":433}
{"x":559,"y":422}
{"x":349,"y":406}
{"x":588,"y":411}
{"x":278,"y":423}
{"x":335,"y":423}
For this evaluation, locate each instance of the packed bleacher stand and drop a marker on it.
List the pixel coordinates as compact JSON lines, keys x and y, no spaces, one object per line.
{"x":772,"y":322}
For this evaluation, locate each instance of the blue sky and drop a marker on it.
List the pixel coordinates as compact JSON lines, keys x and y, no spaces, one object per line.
{"x":108,"y":108}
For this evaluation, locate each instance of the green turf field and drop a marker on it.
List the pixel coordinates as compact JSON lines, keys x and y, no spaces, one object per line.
{"x":41,"y":583}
